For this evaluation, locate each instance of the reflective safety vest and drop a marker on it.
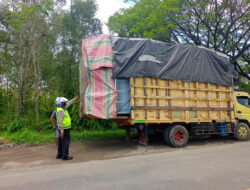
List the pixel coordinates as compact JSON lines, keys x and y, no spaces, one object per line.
{"x":66,"y":119}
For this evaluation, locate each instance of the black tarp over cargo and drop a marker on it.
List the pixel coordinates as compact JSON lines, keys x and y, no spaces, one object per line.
{"x":150,"y":58}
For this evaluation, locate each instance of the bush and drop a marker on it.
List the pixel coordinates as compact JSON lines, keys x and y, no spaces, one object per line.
{"x":26,"y":136}
{"x":82,"y":124}
{"x":98,"y":135}
{"x":3,"y":126}
{"x":45,"y":125}
{"x":15,"y":126}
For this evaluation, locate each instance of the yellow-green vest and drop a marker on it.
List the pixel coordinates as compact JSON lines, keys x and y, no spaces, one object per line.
{"x":66,"y":119}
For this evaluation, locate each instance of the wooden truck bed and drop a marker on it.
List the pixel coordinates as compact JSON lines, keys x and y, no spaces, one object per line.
{"x":168,"y":101}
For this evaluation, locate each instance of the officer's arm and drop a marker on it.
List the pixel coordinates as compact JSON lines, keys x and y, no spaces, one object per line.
{"x":70,"y":102}
{"x":52,"y":120}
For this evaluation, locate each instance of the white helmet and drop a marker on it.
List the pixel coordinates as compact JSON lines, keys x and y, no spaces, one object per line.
{"x":60,"y":100}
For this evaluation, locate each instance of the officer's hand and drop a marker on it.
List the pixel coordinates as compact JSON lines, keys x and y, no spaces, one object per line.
{"x":76,"y":97}
{"x":62,"y":134}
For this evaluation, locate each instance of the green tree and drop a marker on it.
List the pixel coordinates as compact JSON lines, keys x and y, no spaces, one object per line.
{"x":219,"y":25}
{"x":40,"y":53}
{"x":70,"y":27}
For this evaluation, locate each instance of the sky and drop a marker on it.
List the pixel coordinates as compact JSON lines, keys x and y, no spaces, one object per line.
{"x":106,"y":8}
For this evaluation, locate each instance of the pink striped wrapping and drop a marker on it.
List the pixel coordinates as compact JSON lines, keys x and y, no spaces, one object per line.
{"x":98,"y":95}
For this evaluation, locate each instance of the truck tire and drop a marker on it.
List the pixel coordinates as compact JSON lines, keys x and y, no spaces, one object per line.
{"x":166,"y":135}
{"x":176,"y":136}
{"x":241,"y":132}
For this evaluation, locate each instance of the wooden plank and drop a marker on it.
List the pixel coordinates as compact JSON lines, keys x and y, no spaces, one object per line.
{"x":180,"y":108}
{"x":181,"y":98}
{"x":218,"y":96}
{"x":197,"y":102}
{"x":168,"y":91}
{"x":208,"y":100}
{"x":145,"y":94}
{"x":186,"y":115}
{"x":181,"y":88}
{"x":133,"y":100}
{"x":182,"y":121}
{"x":157,"y":100}
{"x":229,"y":96}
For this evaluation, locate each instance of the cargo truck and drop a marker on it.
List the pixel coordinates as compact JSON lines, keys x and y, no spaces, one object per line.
{"x":152,"y":86}
{"x":179,"y":109}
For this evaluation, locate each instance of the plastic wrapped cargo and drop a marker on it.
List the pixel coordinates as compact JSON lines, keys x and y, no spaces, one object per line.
{"x":123,"y":96}
{"x":97,"y":88}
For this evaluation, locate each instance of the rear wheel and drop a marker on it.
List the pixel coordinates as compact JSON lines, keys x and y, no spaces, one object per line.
{"x":176,"y":136}
{"x":166,"y":135}
{"x":241,"y":132}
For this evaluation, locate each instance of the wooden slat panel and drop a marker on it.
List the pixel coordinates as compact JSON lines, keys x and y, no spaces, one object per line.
{"x":174,"y":100}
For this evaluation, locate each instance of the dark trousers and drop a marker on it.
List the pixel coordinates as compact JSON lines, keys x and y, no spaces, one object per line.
{"x":63,"y":144}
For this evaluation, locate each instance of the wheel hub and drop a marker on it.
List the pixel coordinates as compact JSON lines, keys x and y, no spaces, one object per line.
{"x":242,"y":132}
{"x":179,"y":136}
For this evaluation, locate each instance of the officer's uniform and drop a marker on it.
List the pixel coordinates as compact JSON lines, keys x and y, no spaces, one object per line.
{"x":63,"y":145}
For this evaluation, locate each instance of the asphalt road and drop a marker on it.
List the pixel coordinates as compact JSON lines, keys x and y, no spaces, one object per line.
{"x":222,"y":167}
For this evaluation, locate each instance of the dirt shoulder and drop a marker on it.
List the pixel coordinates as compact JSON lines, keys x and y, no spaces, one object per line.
{"x":19,"y":156}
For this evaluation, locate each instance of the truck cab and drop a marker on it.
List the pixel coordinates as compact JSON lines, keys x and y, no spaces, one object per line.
{"x":242,"y":106}
{"x":242,"y":115}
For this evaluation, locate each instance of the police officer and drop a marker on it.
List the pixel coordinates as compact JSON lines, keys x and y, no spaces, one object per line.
{"x":64,"y":125}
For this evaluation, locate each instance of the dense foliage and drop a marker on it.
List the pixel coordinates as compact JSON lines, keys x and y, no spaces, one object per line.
{"x":39,"y":53}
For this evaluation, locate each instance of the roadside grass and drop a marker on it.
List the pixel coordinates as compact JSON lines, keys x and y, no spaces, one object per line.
{"x":35,"y":138}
